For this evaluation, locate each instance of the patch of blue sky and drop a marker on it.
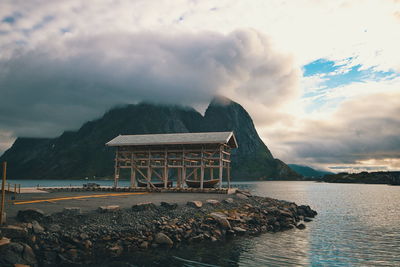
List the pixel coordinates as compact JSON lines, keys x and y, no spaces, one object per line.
{"x":336,"y":74}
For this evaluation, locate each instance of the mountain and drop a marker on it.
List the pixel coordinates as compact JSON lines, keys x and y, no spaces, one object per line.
{"x":83,"y":153}
{"x":308,"y":171}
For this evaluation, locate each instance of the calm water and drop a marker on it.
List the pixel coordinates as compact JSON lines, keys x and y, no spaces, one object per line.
{"x":357,"y":225}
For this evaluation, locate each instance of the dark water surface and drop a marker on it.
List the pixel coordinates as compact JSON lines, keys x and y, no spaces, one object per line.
{"x":357,"y":225}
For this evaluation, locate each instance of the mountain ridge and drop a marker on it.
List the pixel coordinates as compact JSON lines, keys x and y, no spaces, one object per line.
{"x":82,"y":153}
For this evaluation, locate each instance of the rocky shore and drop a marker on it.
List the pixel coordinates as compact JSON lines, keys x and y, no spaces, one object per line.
{"x":70,"y":238}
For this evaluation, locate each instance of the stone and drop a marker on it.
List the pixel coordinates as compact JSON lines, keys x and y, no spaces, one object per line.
{"x":221,"y":218}
{"x":143,"y":206}
{"x":212,"y":202}
{"x":197,"y":237}
{"x":29,"y":215}
{"x":72,"y":211}
{"x":244,"y":192}
{"x":301,"y":226}
{"x":14,"y":232}
{"x":285,"y":213}
{"x":4,"y":241}
{"x":110,"y":208}
{"x":195,"y":204}
{"x":54,"y":228}
{"x":241,"y":196}
{"x":144,"y":245}
{"x":170,"y":206}
{"x":306,"y":211}
{"x":87,"y":244}
{"x":116,"y":250}
{"x":229,"y":200}
{"x":306,"y":219}
{"x":17,"y":253}
{"x":239,"y":230}
{"x":37,"y":228}
{"x":84,"y":236}
{"x":28,"y":255}
{"x":163,"y":239}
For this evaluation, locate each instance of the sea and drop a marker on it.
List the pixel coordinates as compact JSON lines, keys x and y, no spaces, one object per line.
{"x":356,"y":225}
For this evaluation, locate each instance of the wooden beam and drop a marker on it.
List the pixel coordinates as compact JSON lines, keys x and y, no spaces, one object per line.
{"x":220,"y":167}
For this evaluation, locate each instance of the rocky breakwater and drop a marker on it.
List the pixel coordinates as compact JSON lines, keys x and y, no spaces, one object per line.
{"x":70,"y":238}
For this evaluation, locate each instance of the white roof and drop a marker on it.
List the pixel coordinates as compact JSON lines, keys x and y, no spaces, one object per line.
{"x":175,"y":139}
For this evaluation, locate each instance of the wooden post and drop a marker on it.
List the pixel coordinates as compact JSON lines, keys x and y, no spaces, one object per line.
{"x":133,"y":177}
{"x":228,"y":174}
{"x":148,"y":169}
{"x":183,"y":175}
{"x":220,"y":167}
{"x":165,"y":168}
{"x":116,"y":170}
{"x":202,"y":169}
{"x":3,"y":192}
{"x":148,"y":176}
{"x":179,"y":178}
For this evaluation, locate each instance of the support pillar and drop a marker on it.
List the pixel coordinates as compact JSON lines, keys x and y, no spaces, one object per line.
{"x":179,"y":178}
{"x":148,"y":176}
{"x":220,"y":167}
{"x":165,"y":174}
{"x":228,"y":174}
{"x":116,"y":169}
{"x":133,"y":177}
{"x":202,"y":170}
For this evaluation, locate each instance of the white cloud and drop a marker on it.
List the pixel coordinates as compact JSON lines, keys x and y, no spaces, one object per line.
{"x":130,"y":50}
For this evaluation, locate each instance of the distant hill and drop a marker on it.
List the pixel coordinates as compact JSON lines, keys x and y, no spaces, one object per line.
{"x":82,"y":153}
{"x":308,"y":171}
{"x":382,"y":177}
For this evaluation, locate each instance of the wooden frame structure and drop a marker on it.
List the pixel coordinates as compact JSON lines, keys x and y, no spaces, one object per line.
{"x":187,"y":156}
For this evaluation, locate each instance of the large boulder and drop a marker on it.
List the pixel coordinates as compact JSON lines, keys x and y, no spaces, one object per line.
{"x":169,"y":206}
{"x":306,"y":211}
{"x":37,"y":228}
{"x":29,"y":215}
{"x":143,"y":206}
{"x":212,"y":202}
{"x":163,"y":239}
{"x":110,"y":208}
{"x":14,"y":232}
{"x":221,"y":218}
{"x":195,"y":204}
{"x":13,"y":254}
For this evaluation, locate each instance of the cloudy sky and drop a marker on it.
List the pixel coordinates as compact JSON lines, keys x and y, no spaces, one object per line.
{"x":321,"y":79}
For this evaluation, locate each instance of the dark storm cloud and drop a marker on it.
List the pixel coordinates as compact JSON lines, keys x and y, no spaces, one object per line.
{"x":58,"y":86}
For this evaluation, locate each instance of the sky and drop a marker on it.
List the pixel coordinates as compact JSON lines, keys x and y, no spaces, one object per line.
{"x":321,"y":79}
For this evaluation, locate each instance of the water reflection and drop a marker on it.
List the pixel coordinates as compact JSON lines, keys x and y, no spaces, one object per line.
{"x":357,"y":225}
